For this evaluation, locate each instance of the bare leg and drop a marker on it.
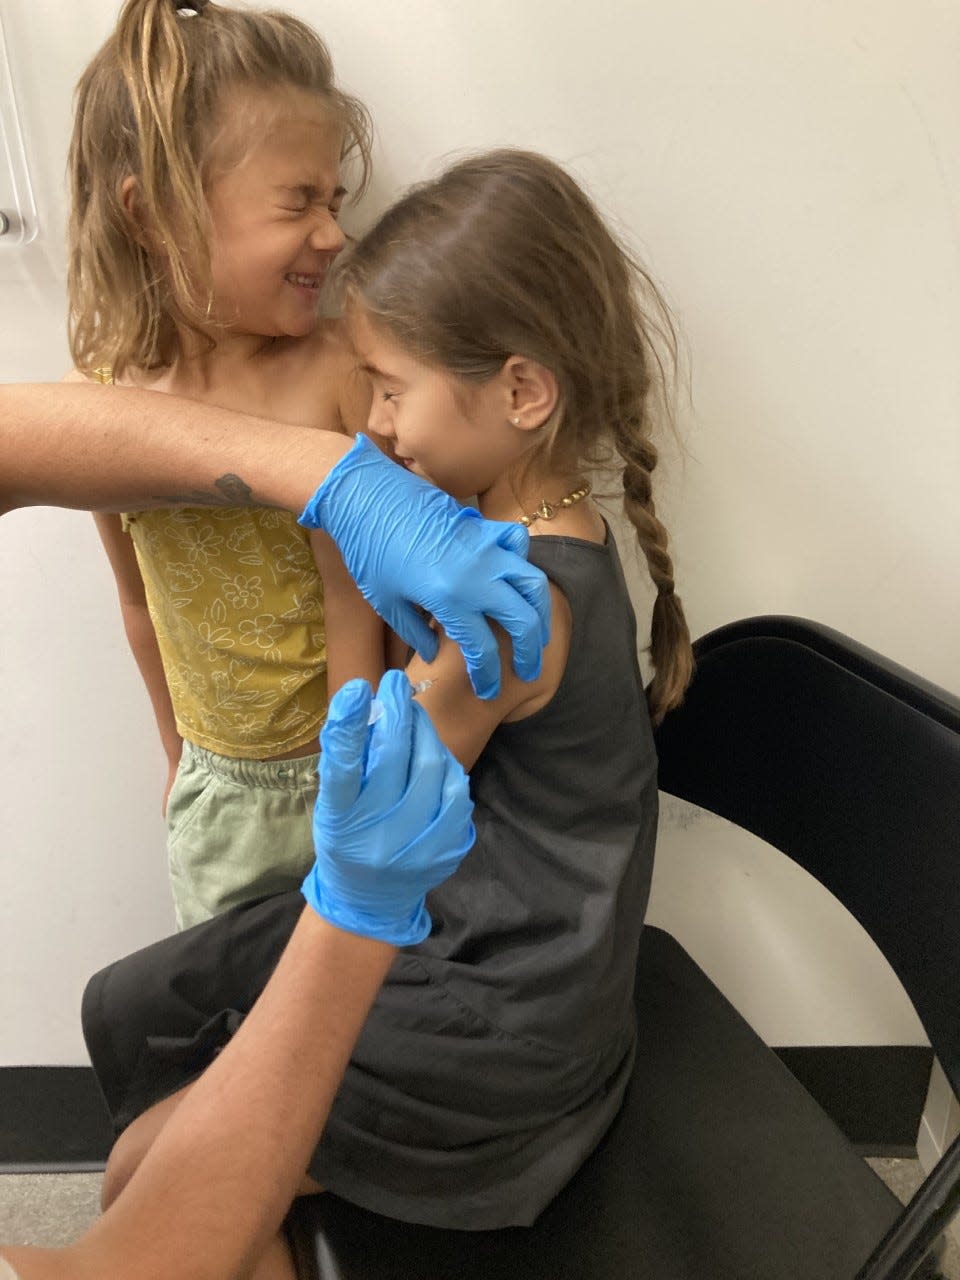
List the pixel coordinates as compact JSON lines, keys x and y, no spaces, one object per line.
{"x":276,"y":1264}
{"x":133,"y":1144}
{"x":135,"y":1141}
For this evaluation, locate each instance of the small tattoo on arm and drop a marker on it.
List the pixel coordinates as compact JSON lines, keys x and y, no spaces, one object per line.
{"x":231,"y":492}
{"x":237,"y":493}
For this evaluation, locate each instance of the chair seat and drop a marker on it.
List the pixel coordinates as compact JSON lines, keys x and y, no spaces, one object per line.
{"x":690,"y":1183}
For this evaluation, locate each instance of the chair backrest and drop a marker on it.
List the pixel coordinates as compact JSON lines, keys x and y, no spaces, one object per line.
{"x":850,"y":765}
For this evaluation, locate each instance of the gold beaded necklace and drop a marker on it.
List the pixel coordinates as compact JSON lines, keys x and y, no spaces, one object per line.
{"x":549,"y":510}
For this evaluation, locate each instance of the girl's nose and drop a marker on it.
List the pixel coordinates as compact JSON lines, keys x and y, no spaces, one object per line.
{"x":327,"y":236}
{"x":378,"y":421}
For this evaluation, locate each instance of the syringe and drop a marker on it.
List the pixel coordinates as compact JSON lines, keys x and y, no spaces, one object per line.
{"x":376,"y":706}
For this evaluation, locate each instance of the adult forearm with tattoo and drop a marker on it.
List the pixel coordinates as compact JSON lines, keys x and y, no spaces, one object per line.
{"x":231,"y":491}
{"x":68,"y":444}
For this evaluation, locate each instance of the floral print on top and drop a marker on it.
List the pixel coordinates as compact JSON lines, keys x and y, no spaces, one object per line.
{"x":237,"y":605}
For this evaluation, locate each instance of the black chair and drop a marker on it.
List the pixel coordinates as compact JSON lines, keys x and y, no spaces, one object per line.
{"x":720,"y":1165}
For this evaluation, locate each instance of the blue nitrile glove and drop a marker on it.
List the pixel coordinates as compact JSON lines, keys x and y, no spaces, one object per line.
{"x":393,"y":816}
{"x":408,"y":543}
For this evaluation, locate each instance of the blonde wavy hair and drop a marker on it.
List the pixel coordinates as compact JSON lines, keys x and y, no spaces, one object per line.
{"x":150,"y":105}
{"x":503,"y":255}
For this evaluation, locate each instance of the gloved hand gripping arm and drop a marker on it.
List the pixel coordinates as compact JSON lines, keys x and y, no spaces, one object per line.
{"x":404,"y":540}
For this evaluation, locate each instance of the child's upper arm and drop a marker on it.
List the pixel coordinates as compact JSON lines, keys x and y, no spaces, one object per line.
{"x":355,"y":633}
{"x":465,"y":722}
{"x":123,"y":559}
{"x":398,"y":651}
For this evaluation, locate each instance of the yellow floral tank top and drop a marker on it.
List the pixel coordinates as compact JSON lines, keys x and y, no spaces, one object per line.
{"x":237,"y":606}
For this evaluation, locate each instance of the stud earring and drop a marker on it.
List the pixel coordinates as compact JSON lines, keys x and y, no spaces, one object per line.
{"x":515,"y":420}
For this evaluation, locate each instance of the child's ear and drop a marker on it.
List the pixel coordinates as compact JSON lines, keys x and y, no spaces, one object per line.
{"x":137,"y":223}
{"x":532,"y":391}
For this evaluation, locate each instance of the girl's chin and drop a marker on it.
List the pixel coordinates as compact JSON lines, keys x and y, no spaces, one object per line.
{"x":464,"y":495}
{"x":415,"y":469}
{"x":303,"y":327}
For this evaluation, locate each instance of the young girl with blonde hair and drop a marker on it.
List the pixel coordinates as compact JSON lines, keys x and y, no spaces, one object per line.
{"x":205,"y":170}
{"x":513,"y":348}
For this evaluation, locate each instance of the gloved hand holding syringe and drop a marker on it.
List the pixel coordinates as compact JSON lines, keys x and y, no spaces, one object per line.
{"x":393,"y":813}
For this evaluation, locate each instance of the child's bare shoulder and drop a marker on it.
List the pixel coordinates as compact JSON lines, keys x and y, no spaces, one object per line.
{"x":334,"y":360}
{"x":305,"y":377}
{"x":328,"y":345}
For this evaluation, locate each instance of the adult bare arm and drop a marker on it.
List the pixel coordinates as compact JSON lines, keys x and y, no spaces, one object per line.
{"x":217,"y":1182}
{"x":215,"y":1185}
{"x":406,"y":544}
{"x":122,"y":449}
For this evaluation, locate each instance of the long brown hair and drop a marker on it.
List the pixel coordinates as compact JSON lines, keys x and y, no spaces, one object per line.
{"x":503,"y":255}
{"x":149,"y":106}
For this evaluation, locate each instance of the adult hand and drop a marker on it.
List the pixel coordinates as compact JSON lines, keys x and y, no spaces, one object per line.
{"x":393,"y":816}
{"x":407,"y":543}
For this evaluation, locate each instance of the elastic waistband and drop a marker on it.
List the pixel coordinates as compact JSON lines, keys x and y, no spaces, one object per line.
{"x":283,"y":775}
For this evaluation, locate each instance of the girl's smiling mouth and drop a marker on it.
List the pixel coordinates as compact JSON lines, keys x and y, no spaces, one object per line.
{"x":304,"y":280}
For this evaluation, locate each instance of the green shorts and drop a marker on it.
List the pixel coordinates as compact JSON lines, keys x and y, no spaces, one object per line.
{"x":238,"y":830}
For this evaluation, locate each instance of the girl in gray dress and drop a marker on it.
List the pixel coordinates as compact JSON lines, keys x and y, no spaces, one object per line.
{"x":513,"y":348}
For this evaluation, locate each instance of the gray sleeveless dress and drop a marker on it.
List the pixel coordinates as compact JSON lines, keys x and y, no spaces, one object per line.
{"x":498,"y":1050}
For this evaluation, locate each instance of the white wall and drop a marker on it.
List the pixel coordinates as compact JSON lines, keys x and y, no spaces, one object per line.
{"x":791,"y":173}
